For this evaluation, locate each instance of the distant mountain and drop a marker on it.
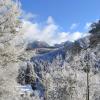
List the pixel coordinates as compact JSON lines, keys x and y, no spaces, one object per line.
{"x":37,"y":44}
{"x":67,"y":43}
{"x":62,"y":72}
{"x":40,"y":47}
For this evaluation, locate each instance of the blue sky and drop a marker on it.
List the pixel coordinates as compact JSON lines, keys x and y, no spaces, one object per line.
{"x":70,"y":15}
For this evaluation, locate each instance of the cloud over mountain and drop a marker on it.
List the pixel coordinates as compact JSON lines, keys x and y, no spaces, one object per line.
{"x":49,"y":32}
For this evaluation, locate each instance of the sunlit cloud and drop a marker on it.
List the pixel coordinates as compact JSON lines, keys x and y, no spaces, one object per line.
{"x":87,"y":25}
{"x":48,"y":32}
{"x":28,"y":16}
{"x":73,"y":26}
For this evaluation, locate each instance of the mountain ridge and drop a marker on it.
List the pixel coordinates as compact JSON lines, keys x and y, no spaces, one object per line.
{"x":64,"y":64}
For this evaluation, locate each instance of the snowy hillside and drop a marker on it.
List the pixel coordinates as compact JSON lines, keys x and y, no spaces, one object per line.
{"x":62,"y":72}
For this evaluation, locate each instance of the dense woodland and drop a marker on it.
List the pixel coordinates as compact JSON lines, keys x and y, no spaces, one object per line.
{"x":70,"y":71}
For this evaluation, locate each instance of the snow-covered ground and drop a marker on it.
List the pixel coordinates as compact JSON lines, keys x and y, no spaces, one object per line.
{"x":25,"y":89}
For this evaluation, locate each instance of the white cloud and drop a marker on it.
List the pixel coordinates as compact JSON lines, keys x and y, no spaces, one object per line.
{"x":28,"y":16}
{"x":87,"y":25}
{"x":74,"y":26}
{"x":50,"y":32}
{"x":50,"y":20}
{"x":76,"y":35}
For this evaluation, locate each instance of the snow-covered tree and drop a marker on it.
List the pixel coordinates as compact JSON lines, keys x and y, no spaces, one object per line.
{"x":9,"y":13}
{"x":95,"y":28}
{"x":10,"y":49}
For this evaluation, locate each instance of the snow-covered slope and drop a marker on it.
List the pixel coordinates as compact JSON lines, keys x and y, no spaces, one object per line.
{"x":37,"y":44}
{"x":62,"y":72}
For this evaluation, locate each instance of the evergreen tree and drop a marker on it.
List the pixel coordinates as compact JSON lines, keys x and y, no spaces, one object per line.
{"x":95,"y":28}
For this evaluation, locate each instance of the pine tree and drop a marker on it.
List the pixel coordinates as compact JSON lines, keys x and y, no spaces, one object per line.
{"x":95,"y":28}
